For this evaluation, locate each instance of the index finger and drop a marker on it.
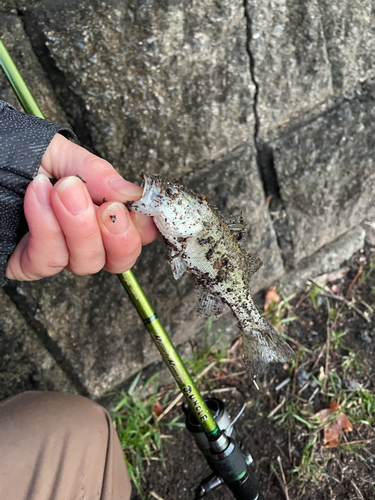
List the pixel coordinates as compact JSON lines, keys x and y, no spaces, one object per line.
{"x":63,"y":158}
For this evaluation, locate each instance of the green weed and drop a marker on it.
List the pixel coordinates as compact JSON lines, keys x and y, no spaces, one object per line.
{"x":337,"y":339}
{"x":329,"y":367}
{"x":298,"y":417}
{"x":313,"y":293}
{"x":351,"y":364}
{"x":278,"y":311}
{"x":360,"y":407}
{"x":138,"y":431}
{"x":291,"y":413}
{"x":313,"y":462}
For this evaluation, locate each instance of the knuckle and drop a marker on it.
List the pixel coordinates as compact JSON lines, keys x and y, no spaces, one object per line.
{"x":56,"y":264}
{"x":120,"y":268}
{"x":96,"y":164}
{"x":93,"y":263}
{"x":122,"y":265}
{"x":32,"y":268}
{"x":96,"y":258}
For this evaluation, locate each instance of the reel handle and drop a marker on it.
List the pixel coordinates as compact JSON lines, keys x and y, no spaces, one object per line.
{"x":245,"y":488}
{"x":231,"y":466}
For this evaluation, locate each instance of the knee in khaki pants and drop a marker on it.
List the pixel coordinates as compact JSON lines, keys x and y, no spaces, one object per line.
{"x":56,"y":446}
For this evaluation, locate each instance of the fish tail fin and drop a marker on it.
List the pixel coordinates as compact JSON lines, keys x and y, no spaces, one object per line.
{"x":262,"y":345}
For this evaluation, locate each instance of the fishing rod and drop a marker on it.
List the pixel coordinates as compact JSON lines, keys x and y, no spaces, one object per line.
{"x":207,"y":420}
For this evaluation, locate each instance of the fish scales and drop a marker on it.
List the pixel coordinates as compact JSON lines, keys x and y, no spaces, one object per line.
{"x":201,"y":242}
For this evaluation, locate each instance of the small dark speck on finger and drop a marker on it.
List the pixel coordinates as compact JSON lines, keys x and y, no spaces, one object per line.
{"x":113,"y":218}
{"x":79,"y":177}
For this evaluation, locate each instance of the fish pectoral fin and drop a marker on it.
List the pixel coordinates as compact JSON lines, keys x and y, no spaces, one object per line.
{"x":238,"y":227}
{"x":254,"y":263}
{"x":263,"y":345}
{"x":178,"y":266}
{"x":208,"y":303}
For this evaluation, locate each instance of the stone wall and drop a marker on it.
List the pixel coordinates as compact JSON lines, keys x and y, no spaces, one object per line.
{"x":265,"y":107}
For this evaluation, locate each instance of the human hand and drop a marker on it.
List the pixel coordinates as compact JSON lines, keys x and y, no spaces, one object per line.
{"x":70,"y":227}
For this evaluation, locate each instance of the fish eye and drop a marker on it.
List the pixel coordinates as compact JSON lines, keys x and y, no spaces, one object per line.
{"x":169,"y":191}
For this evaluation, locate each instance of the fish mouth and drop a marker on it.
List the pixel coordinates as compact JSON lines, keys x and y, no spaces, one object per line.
{"x":150,"y":202}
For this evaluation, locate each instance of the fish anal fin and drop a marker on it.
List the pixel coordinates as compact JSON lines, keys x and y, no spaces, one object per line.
{"x":254,"y":263}
{"x":263,"y":345}
{"x":208,"y":303}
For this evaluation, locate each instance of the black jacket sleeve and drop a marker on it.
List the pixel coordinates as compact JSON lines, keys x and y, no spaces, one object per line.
{"x":23,"y":142}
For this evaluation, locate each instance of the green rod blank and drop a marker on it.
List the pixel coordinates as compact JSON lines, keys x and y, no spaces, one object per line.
{"x":169,"y":353}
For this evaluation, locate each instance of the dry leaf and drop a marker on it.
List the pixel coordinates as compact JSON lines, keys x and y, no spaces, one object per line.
{"x":158,"y":409}
{"x":334,"y":406}
{"x":271,"y":296}
{"x":333,"y":432}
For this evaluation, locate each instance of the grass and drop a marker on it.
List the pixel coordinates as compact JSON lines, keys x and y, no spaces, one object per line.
{"x":337,"y":339}
{"x":278,"y":312}
{"x":359,"y":407}
{"x":307,"y":428}
{"x":138,"y":430}
{"x":313,"y":294}
{"x":330,"y":367}
{"x":313,"y":462}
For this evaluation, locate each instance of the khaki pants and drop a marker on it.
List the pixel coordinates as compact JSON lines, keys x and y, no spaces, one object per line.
{"x":59,"y":447}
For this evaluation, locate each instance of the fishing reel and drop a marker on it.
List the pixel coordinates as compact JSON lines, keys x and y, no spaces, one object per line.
{"x":230,"y":462}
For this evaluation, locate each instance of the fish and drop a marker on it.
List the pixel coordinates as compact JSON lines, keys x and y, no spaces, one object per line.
{"x":201,"y":242}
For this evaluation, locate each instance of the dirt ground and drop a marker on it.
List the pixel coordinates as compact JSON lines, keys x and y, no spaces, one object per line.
{"x":334,"y":339}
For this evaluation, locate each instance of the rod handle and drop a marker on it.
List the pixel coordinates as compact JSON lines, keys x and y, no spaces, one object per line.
{"x":231,"y":466}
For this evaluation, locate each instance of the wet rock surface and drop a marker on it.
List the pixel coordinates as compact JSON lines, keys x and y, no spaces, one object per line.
{"x":326,"y":175}
{"x":349,"y":31}
{"x":290,"y":62}
{"x":328,"y":258}
{"x":267,"y":108}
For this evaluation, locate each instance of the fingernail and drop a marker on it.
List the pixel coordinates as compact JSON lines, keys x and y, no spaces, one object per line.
{"x":116,"y":218}
{"x":41,"y":186}
{"x":72,"y":194}
{"x":125,"y":187}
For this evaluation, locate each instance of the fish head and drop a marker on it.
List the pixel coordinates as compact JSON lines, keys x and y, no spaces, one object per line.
{"x":176,"y":210}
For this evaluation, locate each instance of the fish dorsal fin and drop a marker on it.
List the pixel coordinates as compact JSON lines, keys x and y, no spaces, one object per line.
{"x":208,"y":303}
{"x":253,"y":263}
{"x":238,"y":227}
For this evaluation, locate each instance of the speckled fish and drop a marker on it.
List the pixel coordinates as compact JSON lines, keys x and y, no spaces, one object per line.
{"x":201,"y":242}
